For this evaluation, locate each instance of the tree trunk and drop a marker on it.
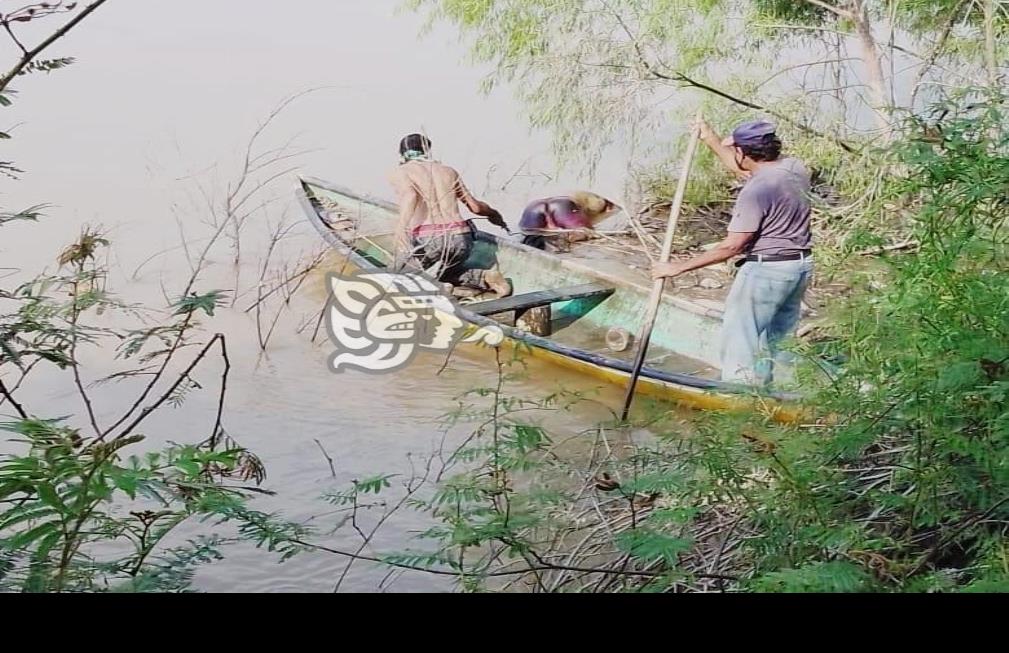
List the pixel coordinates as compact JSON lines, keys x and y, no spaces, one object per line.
{"x":873,"y":64}
{"x":990,"y":57}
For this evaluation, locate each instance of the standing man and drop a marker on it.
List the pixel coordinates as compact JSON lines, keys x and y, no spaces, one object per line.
{"x":771,"y":227}
{"x":431,"y":230}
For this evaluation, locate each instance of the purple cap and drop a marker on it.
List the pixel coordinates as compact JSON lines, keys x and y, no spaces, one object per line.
{"x":752,"y":133}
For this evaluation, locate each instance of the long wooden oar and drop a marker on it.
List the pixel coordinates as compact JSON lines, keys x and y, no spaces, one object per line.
{"x":659,"y":287}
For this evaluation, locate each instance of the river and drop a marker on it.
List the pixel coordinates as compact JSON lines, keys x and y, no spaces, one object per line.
{"x":159,"y":106}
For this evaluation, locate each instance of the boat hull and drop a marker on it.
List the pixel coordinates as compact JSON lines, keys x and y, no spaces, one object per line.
{"x":355,"y":226}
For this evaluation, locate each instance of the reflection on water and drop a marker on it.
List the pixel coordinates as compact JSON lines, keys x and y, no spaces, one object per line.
{"x":368,"y":424}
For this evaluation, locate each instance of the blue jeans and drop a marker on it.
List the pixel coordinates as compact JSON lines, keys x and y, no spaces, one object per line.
{"x":763,"y":308}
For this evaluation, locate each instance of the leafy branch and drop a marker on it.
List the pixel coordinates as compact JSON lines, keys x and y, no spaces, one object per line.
{"x":33,"y":12}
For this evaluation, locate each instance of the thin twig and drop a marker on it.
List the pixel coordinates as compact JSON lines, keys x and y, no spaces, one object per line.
{"x":75,"y":365}
{"x":166,"y":359}
{"x":496,"y":574}
{"x":938,"y":46}
{"x":837,"y":11}
{"x":297,"y":276}
{"x":224,"y":391}
{"x":13,"y":402}
{"x":168,"y":393}
{"x":925,"y":559}
{"x":412,"y":487}
{"x":332,"y":466}
{"x":681,"y":78}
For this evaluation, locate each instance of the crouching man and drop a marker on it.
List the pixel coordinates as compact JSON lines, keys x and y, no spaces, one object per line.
{"x":431,"y":231}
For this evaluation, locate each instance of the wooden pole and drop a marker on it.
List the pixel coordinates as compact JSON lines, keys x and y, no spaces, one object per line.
{"x":660,"y":284}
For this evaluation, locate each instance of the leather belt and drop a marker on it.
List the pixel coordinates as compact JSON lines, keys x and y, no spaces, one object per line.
{"x":776,"y":258}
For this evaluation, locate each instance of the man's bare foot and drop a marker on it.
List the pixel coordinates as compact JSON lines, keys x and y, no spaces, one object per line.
{"x":498,"y":283}
{"x":463,"y":292}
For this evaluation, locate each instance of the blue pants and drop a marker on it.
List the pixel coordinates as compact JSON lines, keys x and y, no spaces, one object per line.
{"x":763,"y":308}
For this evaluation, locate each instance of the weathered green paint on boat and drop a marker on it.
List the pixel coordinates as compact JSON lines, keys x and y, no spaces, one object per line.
{"x":359,"y":227}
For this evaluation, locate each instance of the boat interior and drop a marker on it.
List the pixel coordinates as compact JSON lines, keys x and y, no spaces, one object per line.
{"x":585,"y":307}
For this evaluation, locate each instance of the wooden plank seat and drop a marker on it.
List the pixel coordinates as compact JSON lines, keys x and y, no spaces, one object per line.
{"x":526,"y":301}
{"x":533,"y":310}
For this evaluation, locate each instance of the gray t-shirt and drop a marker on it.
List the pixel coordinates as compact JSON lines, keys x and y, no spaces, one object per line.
{"x":775,"y":205}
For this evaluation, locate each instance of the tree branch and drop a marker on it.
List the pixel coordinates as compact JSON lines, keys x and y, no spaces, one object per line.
{"x":837,"y":11}
{"x":30,"y":55}
{"x":224,"y":392}
{"x":681,"y":78}
{"x":170,"y":391}
{"x":14,"y":37}
{"x":499,"y":574}
{"x":169,"y":355}
{"x":688,"y":81}
{"x":75,"y":364}
{"x":936,"y":50}
{"x":13,"y":402}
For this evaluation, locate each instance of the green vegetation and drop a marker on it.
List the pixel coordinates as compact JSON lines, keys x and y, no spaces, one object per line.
{"x":92,"y":508}
{"x":840,"y":76}
{"x":900,"y":482}
{"x":901,"y":486}
{"x":86,"y":503}
{"x":590,"y":69}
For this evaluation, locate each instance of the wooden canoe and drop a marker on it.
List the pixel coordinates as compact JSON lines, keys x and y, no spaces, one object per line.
{"x":683,"y":356}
